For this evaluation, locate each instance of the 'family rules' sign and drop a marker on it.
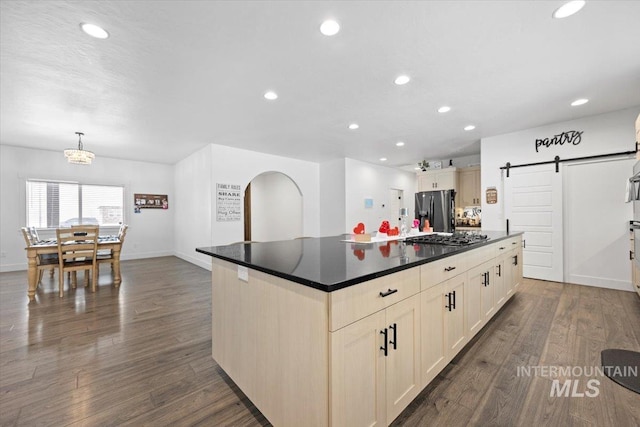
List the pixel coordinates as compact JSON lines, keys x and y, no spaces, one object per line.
{"x":228,"y":202}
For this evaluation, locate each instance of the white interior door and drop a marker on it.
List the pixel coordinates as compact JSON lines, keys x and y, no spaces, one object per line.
{"x":533,"y":204}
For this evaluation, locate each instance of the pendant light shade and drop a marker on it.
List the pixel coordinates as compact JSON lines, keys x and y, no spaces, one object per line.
{"x":79,"y":156}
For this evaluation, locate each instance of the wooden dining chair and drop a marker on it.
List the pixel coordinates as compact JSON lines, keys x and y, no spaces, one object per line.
{"x":46,"y":261}
{"x":77,"y":251}
{"x":106,"y":255}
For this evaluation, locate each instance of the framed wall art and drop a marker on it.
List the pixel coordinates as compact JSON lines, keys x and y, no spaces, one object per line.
{"x":151,"y":201}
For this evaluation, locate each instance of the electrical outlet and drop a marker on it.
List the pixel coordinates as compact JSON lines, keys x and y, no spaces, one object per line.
{"x":243,"y":273}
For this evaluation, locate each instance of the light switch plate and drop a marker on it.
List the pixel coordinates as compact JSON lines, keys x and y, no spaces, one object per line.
{"x":243,"y":273}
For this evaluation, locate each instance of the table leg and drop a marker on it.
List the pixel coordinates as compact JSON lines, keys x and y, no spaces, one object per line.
{"x":116,"y":266}
{"x":32,"y":274}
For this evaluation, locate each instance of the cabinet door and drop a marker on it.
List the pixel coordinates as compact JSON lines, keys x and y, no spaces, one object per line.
{"x":446,"y":180}
{"x":499,"y":287}
{"x":426,"y":181}
{"x":403,"y":360}
{"x":466,"y":188}
{"x":454,"y":323}
{"x":488,"y":294}
{"x":479,"y":297}
{"x":510,"y":271}
{"x":516,"y":265}
{"x":434,"y":347}
{"x":358,"y":396}
{"x":473,"y":299}
{"x":476,"y":189}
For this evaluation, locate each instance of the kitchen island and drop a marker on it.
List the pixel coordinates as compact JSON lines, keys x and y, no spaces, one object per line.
{"x":321,"y":332}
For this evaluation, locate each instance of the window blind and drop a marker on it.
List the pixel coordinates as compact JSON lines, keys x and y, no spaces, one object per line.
{"x":52,"y":204}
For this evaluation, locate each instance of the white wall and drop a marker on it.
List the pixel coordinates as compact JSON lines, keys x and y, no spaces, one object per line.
{"x":235,"y":166}
{"x":196,"y":179}
{"x":332,"y":198}
{"x":276,"y":208}
{"x":150,"y":232}
{"x":193,"y":177}
{"x":365,"y":180}
{"x":606,"y":133}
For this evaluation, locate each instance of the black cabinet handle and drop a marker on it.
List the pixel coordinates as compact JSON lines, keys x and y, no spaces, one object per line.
{"x":449,"y":307}
{"x":449,"y":268}
{"x":395,"y":336}
{"x":515,"y":260}
{"x":454,"y":300}
{"x":488,"y":279}
{"x":630,"y":255}
{"x":384,"y":348}
{"x":389,"y":292}
{"x":524,"y":243}
{"x":514,"y":243}
{"x":499,"y":270}
{"x":501,"y":248}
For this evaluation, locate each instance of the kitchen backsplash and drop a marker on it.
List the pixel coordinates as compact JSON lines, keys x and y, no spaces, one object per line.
{"x":469,"y":216}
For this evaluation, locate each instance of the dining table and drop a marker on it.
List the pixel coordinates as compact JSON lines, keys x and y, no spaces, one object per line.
{"x":51,"y":247}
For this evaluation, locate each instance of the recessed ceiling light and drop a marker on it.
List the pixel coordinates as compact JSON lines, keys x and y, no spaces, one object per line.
{"x":580,"y":101}
{"x":444,"y":109}
{"x":94,"y":31}
{"x":329,"y":27}
{"x":470,"y":127}
{"x":399,"y":144}
{"x":402,"y":80}
{"x":271,"y":95}
{"x":568,"y":9}
{"x":383,"y":159}
{"x":353,"y":126}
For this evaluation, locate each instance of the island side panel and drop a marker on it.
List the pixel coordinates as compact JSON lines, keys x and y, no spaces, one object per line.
{"x":270,"y":335}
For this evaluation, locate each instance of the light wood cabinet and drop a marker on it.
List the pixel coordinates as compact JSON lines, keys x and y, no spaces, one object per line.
{"x":455,"y":333}
{"x":469,"y":192}
{"x":376,"y":366}
{"x":438,"y":179}
{"x":358,"y":373}
{"x":434,"y":348}
{"x":357,"y":356}
{"x":480,"y":302}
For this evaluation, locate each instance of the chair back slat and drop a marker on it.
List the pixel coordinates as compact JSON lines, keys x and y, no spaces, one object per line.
{"x":27,"y":236}
{"x":77,"y":243}
{"x":122,"y":232}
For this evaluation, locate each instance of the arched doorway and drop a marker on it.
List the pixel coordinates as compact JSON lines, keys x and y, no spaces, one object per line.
{"x":272,"y":208}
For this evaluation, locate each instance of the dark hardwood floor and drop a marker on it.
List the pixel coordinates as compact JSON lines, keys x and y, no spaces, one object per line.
{"x":141,"y":355}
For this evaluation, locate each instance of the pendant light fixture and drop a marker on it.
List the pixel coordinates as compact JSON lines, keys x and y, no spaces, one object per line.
{"x":79,"y":156}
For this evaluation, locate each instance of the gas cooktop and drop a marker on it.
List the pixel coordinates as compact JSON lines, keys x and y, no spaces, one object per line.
{"x":449,"y":239}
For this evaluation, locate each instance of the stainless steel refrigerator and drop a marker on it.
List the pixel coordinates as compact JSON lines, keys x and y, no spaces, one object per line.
{"x":439,"y":207}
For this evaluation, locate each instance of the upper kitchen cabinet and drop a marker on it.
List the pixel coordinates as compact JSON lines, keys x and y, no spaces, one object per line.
{"x":438,"y":179}
{"x":469,"y":193}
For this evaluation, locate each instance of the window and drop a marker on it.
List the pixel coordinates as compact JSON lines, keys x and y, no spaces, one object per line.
{"x":53,"y":204}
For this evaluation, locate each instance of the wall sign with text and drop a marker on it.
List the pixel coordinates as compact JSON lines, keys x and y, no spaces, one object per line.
{"x":228,"y":202}
{"x":570,"y":137}
{"x":148,"y":201}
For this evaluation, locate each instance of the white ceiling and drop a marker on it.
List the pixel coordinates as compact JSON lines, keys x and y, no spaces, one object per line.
{"x":177,"y":75}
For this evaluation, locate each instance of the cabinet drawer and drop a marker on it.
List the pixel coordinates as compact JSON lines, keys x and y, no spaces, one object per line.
{"x":480,"y":255}
{"x":507,"y":245}
{"x":355,"y":302}
{"x":438,"y":271}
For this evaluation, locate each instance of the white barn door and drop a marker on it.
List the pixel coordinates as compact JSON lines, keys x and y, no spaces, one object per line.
{"x":533,"y":204}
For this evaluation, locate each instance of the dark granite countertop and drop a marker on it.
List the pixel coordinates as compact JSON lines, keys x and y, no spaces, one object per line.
{"x":329,"y":264}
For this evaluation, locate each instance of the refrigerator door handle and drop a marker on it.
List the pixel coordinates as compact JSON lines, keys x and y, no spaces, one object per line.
{"x":431,"y":211}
